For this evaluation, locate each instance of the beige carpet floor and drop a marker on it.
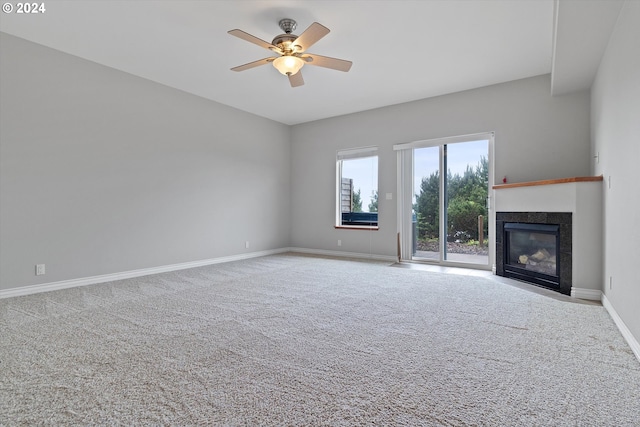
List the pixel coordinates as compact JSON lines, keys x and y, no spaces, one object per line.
{"x":293,"y":340}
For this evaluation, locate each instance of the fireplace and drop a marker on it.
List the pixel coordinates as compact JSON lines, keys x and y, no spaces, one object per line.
{"x":535,"y":247}
{"x":530,"y":253}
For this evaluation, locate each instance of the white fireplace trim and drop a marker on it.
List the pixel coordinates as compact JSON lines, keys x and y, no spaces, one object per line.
{"x":583,"y":293}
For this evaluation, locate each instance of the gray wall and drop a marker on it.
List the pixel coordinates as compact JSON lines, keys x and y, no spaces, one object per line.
{"x":104,"y":172}
{"x":615,"y":122}
{"x":537,"y":137}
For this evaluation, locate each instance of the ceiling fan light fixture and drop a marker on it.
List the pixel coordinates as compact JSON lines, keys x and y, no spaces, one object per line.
{"x":288,"y":65}
{"x":290,"y":50}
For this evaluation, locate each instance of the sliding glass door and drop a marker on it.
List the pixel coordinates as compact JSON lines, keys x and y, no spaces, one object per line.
{"x":448,"y":182}
{"x":425,"y":213}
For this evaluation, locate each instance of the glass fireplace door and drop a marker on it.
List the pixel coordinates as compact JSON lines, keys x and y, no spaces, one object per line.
{"x":531,"y":252}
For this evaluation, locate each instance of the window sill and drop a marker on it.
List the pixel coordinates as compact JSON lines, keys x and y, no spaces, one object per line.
{"x":357,"y":227}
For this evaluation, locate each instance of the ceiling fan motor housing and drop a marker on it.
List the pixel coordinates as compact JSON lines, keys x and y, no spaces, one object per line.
{"x":285,"y":43}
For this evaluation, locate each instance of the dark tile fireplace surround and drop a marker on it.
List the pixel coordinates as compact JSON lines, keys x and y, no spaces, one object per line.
{"x":563,"y":256}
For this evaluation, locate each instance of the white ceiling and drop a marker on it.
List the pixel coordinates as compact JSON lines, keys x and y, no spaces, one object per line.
{"x":402,"y":50}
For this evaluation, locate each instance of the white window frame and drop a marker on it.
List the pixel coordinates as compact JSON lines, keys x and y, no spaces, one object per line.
{"x":350,"y":154}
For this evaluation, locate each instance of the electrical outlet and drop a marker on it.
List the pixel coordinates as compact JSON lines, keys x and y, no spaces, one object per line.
{"x":40,"y":270}
{"x":339,"y":242}
{"x":246,"y":244}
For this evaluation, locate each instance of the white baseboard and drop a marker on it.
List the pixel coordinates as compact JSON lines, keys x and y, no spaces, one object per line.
{"x":341,"y":254}
{"x":64,"y":284}
{"x":590,"y":294}
{"x":626,"y":333}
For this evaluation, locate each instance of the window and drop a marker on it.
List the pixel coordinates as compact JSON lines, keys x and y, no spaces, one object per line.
{"x":357,"y":188}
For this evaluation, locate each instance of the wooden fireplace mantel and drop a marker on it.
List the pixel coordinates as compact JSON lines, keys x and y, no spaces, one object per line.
{"x":549,"y":182}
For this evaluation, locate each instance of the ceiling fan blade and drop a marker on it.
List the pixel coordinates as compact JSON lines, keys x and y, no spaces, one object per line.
{"x":253,"y":64}
{"x":296,"y":79}
{"x":311,"y":35}
{"x":327,"y":62}
{"x":253,"y":39}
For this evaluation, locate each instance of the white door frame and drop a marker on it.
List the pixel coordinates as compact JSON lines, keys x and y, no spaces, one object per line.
{"x":405,"y":189}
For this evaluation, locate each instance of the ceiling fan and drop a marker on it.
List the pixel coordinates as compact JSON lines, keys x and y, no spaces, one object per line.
{"x":291,"y":49}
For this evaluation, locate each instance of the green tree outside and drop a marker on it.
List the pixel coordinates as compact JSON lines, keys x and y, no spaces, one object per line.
{"x":356,"y":202}
{"x":373,"y":205}
{"x":466,"y":196}
{"x":427,"y":206}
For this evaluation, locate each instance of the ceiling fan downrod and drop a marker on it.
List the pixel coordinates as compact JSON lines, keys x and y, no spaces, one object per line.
{"x":287,"y":25}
